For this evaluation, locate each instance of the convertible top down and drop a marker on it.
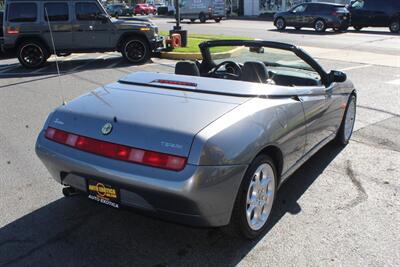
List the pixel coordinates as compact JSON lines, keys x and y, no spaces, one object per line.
{"x":207,"y":146}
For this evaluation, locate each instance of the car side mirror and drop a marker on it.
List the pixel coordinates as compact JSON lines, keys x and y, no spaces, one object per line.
{"x":337,"y":76}
{"x":102,"y":17}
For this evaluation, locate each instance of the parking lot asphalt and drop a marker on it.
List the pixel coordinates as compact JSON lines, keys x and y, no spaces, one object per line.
{"x":340,"y":209}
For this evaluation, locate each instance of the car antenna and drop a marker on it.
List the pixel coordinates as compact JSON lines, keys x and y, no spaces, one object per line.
{"x":55,"y":54}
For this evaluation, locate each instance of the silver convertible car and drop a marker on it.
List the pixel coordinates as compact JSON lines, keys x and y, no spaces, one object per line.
{"x":207,"y":146}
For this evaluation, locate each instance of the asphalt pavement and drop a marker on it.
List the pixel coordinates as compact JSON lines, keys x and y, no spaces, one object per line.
{"x":341,"y":208}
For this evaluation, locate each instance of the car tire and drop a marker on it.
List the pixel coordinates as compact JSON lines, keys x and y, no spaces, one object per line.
{"x":357,"y":28}
{"x":280,"y":24}
{"x":320,"y":25}
{"x":202,"y":18}
{"x":297,"y":28}
{"x":192,"y":20}
{"x":32,"y":54}
{"x":254,"y":202}
{"x":142,"y":13}
{"x":218,"y":20}
{"x":346,"y":127}
{"x":136,"y":50}
{"x":395,"y":26}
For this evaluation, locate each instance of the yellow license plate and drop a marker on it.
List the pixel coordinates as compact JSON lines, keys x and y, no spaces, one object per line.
{"x":103,"y":193}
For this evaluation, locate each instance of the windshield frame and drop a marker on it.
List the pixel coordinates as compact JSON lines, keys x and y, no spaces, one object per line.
{"x":208,"y":63}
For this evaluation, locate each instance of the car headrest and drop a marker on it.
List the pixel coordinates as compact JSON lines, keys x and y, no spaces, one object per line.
{"x":254,"y":71}
{"x":187,"y":68}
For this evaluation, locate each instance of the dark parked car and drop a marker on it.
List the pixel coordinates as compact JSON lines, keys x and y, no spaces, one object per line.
{"x":319,"y":16}
{"x":76,"y":26}
{"x":375,"y":13}
{"x":119,"y":10}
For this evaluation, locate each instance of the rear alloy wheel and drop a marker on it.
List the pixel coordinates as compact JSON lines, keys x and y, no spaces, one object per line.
{"x":192,"y":20}
{"x":280,"y":24}
{"x":217,"y":20}
{"x":320,"y":25}
{"x":32,"y":54}
{"x":255,"y":198}
{"x":297,"y":28}
{"x":346,"y":128}
{"x":202,"y":18}
{"x":394,"y":26}
{"x":136,"y":50}
{"x":357,"y":28}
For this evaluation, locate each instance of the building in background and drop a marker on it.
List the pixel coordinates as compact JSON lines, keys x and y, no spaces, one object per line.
{"x":257,"y":7}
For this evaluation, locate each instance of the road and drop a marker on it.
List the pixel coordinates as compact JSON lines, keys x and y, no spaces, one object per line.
{"x":340,"y":208}
{"x":378,"y":40}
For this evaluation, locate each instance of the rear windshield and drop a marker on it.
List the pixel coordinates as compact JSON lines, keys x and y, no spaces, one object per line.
{"x":22,"y":12}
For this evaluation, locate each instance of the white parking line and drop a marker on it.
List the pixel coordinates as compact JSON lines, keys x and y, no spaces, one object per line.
{"x":356,"y":67}
{"x":395,"y":82}
{"x":71,"y":57}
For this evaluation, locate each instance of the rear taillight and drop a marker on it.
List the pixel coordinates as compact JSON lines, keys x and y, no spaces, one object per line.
{"x":116,"y":151}
{"x":12,"y":30}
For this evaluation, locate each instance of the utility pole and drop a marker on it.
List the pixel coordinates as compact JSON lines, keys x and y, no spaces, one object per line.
{"x":177,"y":15}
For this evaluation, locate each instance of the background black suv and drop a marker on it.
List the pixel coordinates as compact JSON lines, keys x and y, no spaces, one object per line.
{"x":319,"y":16}
{"x":76,"y":26}
{"x":375,"y":13}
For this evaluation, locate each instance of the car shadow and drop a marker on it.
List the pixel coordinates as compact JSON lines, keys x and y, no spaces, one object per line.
{"x":369,"y":31}
{"x":77,"y":232}
{"x":310,"y":31}
{"x":188,"y":22}
{"x":307,"y":31}
{"x":66,"y":66}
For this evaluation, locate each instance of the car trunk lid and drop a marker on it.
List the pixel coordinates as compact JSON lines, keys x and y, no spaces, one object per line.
{"x":150,"y":118}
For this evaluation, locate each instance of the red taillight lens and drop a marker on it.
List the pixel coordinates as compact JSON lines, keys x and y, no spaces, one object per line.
{"x":116,"y":151}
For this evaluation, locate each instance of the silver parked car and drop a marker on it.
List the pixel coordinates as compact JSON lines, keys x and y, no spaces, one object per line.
{"x":207,"y":146}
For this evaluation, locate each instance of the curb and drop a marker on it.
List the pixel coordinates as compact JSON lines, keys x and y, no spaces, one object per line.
{"x":197,"y":55}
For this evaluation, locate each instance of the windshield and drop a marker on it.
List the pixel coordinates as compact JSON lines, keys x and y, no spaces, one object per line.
{"x":269,"y":56}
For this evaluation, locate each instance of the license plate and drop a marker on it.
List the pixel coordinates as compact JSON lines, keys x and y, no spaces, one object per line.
{"x":103,"y":193}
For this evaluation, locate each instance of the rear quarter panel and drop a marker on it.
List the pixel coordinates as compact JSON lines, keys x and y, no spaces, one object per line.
{"x":240,"y":135}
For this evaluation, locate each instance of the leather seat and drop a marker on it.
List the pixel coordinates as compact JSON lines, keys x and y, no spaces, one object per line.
{"x":254,"y":71}
{"x":187,"y":68}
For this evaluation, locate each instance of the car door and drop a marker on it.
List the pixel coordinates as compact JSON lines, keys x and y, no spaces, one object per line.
{"x":56,"y":16}
{"x":89,"y":30}
{"x":375,"y":10}
{"x":323,"y":109}
{"x":359,"y":14}
{"x":299,"y":15}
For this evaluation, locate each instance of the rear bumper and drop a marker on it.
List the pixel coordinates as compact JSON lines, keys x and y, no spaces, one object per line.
{"x":339,"y":23}
{"x":197,"y":195}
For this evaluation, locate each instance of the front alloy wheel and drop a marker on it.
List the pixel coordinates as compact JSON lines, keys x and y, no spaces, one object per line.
{"x":136,"y":50}
{"x":346,"y":128}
